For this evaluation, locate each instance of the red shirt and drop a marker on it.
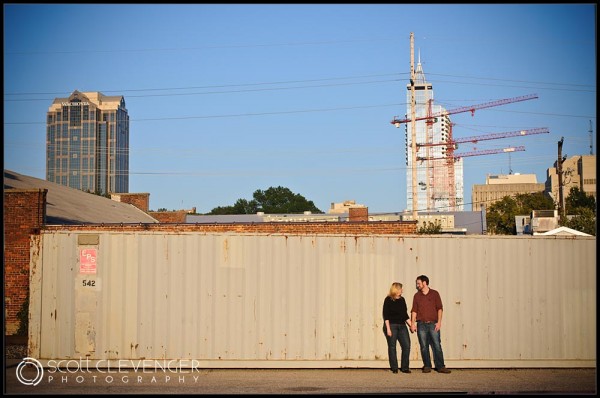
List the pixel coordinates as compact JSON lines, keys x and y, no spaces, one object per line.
{"x":427,"y":305}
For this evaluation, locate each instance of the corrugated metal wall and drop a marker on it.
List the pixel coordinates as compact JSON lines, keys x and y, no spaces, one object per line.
{"x":238,"y":300}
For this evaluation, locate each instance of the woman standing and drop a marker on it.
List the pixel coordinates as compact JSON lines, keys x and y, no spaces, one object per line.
{"x":396,"y":319}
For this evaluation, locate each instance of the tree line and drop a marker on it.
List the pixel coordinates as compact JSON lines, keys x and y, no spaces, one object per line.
{"x":500,"y":216}
{"x":580,"y":208}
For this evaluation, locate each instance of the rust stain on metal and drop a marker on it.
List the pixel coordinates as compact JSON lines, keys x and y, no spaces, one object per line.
{"x":225,"y":250}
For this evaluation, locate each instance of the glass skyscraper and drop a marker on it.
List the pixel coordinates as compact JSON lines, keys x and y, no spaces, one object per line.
{"x":435,"y":172}
{"x":87,"y":143}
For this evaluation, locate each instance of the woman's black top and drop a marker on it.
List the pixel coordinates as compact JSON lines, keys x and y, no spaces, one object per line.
{"x":395,"y":310}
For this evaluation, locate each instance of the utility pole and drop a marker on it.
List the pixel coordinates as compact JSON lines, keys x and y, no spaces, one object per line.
{"x":591,"y":139}
{"x":413,"y":126}
{"x":559,"y":171}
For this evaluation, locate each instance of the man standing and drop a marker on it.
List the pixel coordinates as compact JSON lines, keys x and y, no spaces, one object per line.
{"x":426,"y":319}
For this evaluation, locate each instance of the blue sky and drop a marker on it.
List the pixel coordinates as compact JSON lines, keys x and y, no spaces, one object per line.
{"x":227,"y":99}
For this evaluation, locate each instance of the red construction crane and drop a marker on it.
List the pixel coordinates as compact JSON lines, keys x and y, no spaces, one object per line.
{"x":452,"y":144}
{"x":471,"y":108}
{"x":437,"y":175}
{"x":477,"y":153}
{"x":493,"y":136}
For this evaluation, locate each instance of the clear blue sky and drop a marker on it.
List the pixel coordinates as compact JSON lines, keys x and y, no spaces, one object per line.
{"x":228,"y":99}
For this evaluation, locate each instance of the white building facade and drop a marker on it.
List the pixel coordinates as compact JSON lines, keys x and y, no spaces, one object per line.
{"x":439,"y":178}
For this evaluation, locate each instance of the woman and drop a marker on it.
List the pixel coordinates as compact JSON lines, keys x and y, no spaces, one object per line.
{"x":396,"y":319}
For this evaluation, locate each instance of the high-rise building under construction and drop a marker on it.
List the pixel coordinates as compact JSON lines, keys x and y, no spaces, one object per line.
{"x":87,"y":143}
{"x":439,"y":174}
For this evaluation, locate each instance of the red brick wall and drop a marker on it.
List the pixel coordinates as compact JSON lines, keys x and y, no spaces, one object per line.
{"x":169,"y":217}
{"x":139,"y":200}
{"x":358,"y":214}
{"x":24,"y":212}
{"x":346,"y":228}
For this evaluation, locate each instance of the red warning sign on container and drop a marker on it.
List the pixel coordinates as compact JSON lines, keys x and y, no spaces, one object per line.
{"x":87,"y":261}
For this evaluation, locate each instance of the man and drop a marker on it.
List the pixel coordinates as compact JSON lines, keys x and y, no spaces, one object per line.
{"x":426,"y":319}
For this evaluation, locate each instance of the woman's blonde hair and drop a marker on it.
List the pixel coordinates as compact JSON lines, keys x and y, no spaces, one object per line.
{"x":395,"y":289}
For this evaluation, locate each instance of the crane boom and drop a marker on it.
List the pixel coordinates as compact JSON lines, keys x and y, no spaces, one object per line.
{"x":471,"y":108}
{"x":478,"y":153}
{"x":494,"y":136}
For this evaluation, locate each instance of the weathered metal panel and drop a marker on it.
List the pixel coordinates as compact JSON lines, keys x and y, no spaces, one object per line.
{"x":310,"y":300}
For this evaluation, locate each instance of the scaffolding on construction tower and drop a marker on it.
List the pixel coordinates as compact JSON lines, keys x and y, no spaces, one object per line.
{"x":440,"y":175}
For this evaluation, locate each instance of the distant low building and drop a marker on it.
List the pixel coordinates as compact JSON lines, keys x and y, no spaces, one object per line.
{"x":578,"y":171}
{"x":498,"y":186}
{"x":67,"y":206}
{"x":343,"y":207}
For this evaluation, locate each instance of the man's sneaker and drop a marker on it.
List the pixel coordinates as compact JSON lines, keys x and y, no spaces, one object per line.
{"x":406,"y":371}
{"x":426,"y":369}
{"x":444,"y":370}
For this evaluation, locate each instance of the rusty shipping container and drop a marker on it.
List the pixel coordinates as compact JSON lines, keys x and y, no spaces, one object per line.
{"x":251,"y":300}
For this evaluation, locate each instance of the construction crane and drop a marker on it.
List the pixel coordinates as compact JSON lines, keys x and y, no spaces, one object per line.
{"x":452,"y":144}
{"x":493,"y":136}
{"x":471,"y":108}
{"x":438,"y":175}
{"x":478,"y":153}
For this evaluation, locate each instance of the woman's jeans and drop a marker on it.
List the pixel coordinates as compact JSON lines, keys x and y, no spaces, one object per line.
{"x":429,"y":337}
{"x":400,"y":334}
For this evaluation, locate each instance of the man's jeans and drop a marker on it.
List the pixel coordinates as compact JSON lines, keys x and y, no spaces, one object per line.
{"x":429,"y":337}
{"x":399,"y":333}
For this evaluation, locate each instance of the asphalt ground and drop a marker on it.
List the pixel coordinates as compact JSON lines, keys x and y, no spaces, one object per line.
{"x":571,"y":381}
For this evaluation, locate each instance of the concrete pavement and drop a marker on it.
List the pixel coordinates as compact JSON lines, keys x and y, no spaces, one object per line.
{"x":298,"y":381}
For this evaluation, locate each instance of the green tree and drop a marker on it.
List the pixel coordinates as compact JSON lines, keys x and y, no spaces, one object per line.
{"x":430,"y":228}
{"x":275,"y":200}
{"x":241,"y":206}
{"x":501,"y":215}
{"x":582,"y":208}
{"x":281,"y":200}
{"x":583,"y":221}
{"x":578,"y":199}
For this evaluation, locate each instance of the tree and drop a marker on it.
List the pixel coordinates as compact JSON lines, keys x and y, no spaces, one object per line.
{"x":430,"y":228}
{"x":579,"y":199}
{"x":241,"y":206}
{"x":583,"y":221}
{"x":501,"y":215}
{"x":281,"y":200}
{"x":277,"y":200}
{"x":583,"y":209}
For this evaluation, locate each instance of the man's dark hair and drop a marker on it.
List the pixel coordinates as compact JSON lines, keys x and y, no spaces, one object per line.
{"x":423,"y":278}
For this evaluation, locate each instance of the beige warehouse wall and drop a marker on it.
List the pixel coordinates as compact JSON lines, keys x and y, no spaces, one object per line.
{"x":243,"y":300}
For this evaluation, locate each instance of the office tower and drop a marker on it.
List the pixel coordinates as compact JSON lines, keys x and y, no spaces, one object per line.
{"x":87,"y":143}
